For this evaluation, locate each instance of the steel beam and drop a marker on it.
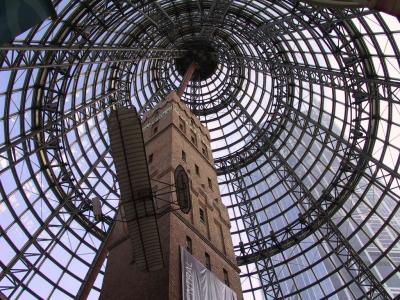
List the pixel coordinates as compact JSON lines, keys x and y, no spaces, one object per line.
{"x":18,"y":57}
{"x":94,"y":270}
{"x":156,"y":14}
{"x":214,"y":18}
{"x":70,"y":120}
{"x":367,"y":282}
{"x":313,"y":74}
{"x":305,"y":17}
{"x":266,"y":270}
{"x":22,"y":254}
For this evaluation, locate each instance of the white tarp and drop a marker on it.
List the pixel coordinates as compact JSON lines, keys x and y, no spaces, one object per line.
{"x":198,"y":283}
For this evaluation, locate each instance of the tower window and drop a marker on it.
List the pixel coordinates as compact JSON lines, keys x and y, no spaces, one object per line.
{"x":182,"y":125}
{"x":196,"y":167}
{"x":210,"y":183}
{"x":204,"y":150}
{"x":193,"y":138}
{"x":189,"y":244}
{"x":154,"y":128}
{"x":208,"y":260}
{"x":183,"y":156}
{"x":202,"y":216}
{"x":150,"y":158}
{"x":226,"y":277}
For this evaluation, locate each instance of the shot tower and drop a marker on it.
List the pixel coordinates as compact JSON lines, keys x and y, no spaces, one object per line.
{"x":191,"y":242}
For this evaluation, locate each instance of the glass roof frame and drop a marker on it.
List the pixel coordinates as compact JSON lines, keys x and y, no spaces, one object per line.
{"x":301,"y":95}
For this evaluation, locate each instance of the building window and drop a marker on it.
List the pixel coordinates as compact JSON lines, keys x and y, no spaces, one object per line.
{"x":150,"y":158}
{"x":202,"y":216}
{"x":183,"y":156}
{"x":208,"y":261}
{"x":196,"y":167}
{"x":154,"y":128}
{"x":204,"y":150}
{"x":189,"y":244}
{"x":210,"y":183}
{"x":182,"y":125}
{"x":226,"y":277}
{"x":193,"y":138}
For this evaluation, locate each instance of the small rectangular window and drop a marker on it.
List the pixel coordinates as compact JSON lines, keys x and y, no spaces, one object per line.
{"x":208,"y":260}
{"x":226,"y":277}
{"x":183,"y":155}
{"x":182,"y":125}
{"x":196,"y":167}
{"x":154,"y":128}
{"x":189,"y":244}
{"x":204,"y":150}
{"x":202,"y":216}
{"x":210,"y":183}
{"x":193,"y":138}
{"x":150,"y":158}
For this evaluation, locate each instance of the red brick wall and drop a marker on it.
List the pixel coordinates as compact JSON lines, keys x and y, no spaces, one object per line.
{"x":166,"y":147}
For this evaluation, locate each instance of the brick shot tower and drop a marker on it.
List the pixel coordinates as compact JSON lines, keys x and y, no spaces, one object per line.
{"x":174,"y":137}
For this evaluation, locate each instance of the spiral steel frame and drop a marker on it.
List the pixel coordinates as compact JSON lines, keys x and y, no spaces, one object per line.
{"x":303,"y":111}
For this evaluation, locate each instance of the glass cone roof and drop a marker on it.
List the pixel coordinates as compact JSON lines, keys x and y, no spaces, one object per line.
{"x":304,"y":114}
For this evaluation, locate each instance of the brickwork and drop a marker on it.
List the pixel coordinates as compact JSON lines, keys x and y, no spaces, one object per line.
{"x":173,"y":136}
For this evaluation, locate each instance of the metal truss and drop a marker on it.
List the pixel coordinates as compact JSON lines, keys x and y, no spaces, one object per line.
{"x":51,"y":141}
{"x":356,"y":85}
{"x":315,"y":211}
{"x":154,"y":99}
{"x":33,"y":57}
{"x":313,"y":75}
{"x":306,"y":15}
{"x":70,"y":123}
{"x":292,"y":83}
{"x":318,"y":75}
{"x":154,"y":12}
{"x":257,"y":146}
{"x":336,"y":144}
{"x":214,"y":18}
{"x":200,"y":106}
{"x":368,"y":283}
{"x":264,"y":265}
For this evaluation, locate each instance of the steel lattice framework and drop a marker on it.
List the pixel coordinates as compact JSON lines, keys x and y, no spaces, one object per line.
{"x":304,"y":115}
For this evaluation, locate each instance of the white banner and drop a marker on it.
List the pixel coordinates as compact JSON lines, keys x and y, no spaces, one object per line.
{"x":198,"y":283}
